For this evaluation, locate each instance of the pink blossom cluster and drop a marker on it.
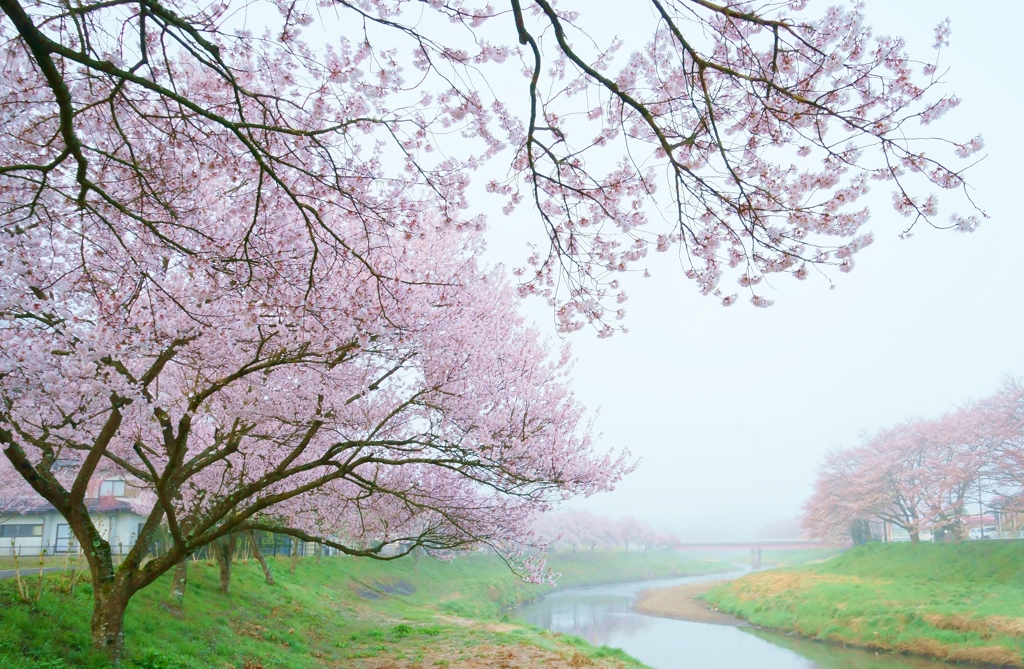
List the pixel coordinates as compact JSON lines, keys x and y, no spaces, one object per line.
{"x":749,"y":137}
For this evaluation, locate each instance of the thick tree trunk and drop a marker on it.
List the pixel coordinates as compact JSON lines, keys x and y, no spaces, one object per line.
{"x":179,"y":581}
{"x":110,"y":594}
{"x":112,"y":589}
{"x":915,"y":537}
{"x":108,"y":622}
{"x":224,"y":551}
{"x":295,"y":555}
{"x":318,"y":551}
{"x":258,"y":554}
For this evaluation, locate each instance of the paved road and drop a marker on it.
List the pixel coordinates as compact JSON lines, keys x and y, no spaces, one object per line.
{"x":28,"y":571}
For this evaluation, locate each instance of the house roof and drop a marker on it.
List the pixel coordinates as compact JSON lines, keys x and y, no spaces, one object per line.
{"x":95,"y":505}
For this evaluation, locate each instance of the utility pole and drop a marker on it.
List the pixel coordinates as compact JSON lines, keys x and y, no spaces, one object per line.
{"x":981,"y":510}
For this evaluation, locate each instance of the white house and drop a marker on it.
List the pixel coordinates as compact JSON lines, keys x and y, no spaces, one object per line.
{"x":41,"y":528}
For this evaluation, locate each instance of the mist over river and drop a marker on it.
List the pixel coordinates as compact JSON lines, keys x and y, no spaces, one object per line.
{"x":604,"y":615}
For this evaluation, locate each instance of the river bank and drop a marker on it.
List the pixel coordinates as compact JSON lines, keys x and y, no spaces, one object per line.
{"x":961,"y":603}
{"x":607,"y":616}
{"x":685,"y":602}
{"x":344,"y":612}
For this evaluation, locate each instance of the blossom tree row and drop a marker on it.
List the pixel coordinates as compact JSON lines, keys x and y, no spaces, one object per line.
{"x":574,"y":530}
{"x":920,"y":474}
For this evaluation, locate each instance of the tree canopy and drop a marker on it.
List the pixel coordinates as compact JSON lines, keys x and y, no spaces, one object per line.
{"x":925,"y":474}
{"x":239,"y":253}
{"x":747,"y":135}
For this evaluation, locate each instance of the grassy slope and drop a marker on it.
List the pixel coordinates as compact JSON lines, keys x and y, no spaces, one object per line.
{"x":340,"y":613}
{"x":832,"y":656}
{"x":958,"y":602}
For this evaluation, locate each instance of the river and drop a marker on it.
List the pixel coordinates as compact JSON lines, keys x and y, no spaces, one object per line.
{"x":603,"y":616}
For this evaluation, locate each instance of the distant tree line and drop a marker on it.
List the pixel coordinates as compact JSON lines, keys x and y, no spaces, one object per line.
{"x":925,"y":475}
{"x":582,"y":530}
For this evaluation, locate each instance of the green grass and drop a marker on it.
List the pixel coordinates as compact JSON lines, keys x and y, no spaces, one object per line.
{"x":795,"y":557}
{"x":28,"y":563}
{"x":334,"y":614}
{"x":959,"y":602}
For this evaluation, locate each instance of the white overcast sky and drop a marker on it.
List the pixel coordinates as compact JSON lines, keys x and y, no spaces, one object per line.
{"x":731,"y":410}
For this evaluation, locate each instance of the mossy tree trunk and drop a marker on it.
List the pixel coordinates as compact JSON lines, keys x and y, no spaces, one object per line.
{"x":107,"y":624}
{"x":112,"y":588}
{"x":179,"y":581}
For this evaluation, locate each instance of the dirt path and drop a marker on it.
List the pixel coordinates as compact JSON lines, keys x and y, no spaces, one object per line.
{"x":681,"y":603}
{"x":494,"y":657}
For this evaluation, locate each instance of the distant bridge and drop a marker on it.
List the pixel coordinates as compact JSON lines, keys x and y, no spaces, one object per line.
{"x":753,"y":544}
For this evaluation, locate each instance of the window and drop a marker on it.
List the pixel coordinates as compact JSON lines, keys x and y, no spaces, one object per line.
{"x":112,"y":488}
{"x":21,"y":530}
{"x":138,"y":534}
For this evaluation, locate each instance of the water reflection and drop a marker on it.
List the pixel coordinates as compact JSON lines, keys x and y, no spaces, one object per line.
{"x":603,"y":616}
{"x":593,"y":619}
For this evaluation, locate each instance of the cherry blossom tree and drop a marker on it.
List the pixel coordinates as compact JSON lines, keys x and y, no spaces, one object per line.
{"x":841,"y":501}
{"x":921,"y":474}
{"x":884,"y":479}
{"x":635,"y":532}
{"x":955,"y":468}
{"x":747,"y":134}
{"x":338,"y":408}
{"x":575,"y":528}
{"x":1000,"y":419}
{"x":572,"y":528}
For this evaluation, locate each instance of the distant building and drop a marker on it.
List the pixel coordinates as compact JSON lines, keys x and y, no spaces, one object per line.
{"x":113,"y":504}
{"x":1008,"y":515}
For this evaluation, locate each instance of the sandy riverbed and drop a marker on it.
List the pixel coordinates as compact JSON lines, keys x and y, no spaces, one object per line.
{"x":681,"y":603}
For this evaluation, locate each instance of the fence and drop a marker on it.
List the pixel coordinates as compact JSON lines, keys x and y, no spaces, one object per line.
{"x":270,"y":545}
{"x":35,"y":547}
{"x":1019,"y":534}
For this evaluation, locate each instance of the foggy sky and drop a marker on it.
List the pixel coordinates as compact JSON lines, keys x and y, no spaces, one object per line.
{"x":731,"y":410}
